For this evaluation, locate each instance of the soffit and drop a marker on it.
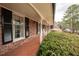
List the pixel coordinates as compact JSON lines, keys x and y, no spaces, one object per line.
{"x":46,"y":10}
{"x":24,"y":9}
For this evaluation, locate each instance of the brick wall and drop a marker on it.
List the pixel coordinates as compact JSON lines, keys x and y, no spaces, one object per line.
{"x":28,"y":46}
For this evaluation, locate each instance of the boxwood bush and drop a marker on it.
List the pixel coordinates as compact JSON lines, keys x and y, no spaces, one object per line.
{"x":59,"y":44}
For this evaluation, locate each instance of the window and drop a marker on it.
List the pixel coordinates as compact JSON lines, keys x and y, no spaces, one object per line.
{"x":26,"y":27}
{"x":37,"y":28}
{"x":6,"y":20}
{"x":18,"y":27}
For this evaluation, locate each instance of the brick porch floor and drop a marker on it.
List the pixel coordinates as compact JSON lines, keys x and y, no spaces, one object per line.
{"x":29,"y":48}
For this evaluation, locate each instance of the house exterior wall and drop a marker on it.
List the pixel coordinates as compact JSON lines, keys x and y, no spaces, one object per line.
{"x":30,"y":44}
{"x":25,"y":46}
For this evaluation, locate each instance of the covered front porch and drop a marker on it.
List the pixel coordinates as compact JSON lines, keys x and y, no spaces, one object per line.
{"x":24,"y":39}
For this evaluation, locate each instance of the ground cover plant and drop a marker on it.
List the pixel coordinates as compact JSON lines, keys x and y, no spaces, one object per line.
{"x":59,"y":44}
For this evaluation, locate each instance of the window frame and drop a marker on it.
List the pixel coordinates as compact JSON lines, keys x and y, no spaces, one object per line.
{"x":2,"y":26}
{"x":13,"y":27}
{"x":27,"y":33}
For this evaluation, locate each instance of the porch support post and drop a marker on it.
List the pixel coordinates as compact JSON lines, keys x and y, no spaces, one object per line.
{"x":41,"y":32}
{"x":49,"y":28}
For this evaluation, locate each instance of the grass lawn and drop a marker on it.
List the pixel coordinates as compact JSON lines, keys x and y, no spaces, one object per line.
{"x":59,"y":44}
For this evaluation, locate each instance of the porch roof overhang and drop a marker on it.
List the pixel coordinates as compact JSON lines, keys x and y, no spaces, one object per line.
{"x":46,"y":10}
{"x":26,"y":10}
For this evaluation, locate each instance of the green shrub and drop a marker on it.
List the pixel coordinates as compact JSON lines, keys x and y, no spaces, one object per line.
{"x":59,"y":44}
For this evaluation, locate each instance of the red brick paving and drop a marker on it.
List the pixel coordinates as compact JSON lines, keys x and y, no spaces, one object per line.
{"x":29,"y":48}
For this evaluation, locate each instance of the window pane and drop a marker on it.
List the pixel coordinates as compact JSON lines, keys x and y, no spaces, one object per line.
{"x":17,"y":33}
{"x":17,"y":27}
{"x":22,"y":30}
{"x":7,"y":32}
{"x":7,"y":15}
{"x":17,"y":22}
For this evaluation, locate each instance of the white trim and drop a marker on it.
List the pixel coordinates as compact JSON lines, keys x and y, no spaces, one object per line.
{"x":13,"y":29}
{"x":17,"y":39}
{"x":41,"y":33}
{"x":36,"y":10}
{"x":22,"y":38}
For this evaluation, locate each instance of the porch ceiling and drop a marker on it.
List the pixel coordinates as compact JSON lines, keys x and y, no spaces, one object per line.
{"x":41,"y":11}
{"x":46,"y":10}
{"x":23,"y":8}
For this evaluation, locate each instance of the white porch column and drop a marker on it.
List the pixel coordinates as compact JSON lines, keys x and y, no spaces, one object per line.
{"x":41,"y":32}
{"x":49,"y":28}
